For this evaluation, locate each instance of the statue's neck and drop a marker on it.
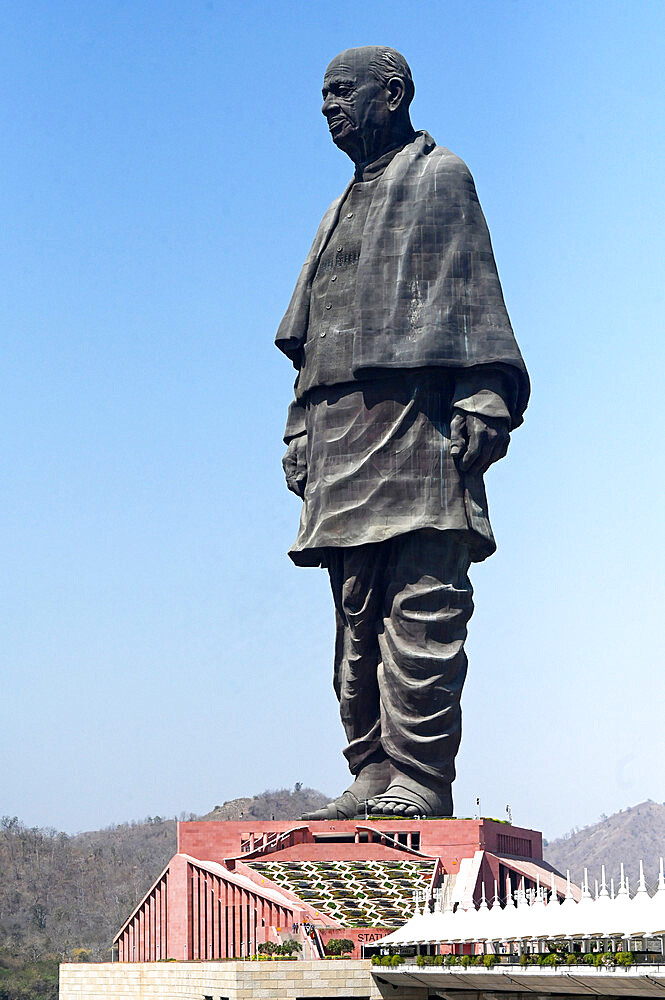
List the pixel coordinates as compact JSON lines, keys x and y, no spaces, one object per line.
{"x":377,"y":146}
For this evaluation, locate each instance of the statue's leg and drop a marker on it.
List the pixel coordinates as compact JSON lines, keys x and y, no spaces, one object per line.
{"x":356,"y":579}
{"x":428,"y":603}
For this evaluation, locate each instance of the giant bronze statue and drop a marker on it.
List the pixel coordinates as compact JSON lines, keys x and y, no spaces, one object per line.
{"x":409,"y":383}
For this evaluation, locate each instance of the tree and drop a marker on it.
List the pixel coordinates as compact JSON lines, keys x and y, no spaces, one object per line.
{"x":289,"y":947}
{"x":339,"y":946}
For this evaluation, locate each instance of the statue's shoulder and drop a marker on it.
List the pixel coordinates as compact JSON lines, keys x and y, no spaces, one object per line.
{"x":440,"y":160}
{"x":443,"y":176}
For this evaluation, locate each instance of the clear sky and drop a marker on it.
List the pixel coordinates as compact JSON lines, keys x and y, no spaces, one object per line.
{"x":164,"y":168}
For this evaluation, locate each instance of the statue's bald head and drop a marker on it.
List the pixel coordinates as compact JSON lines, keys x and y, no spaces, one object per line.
{"x":383,"y":63}
{"x":366,"y":96}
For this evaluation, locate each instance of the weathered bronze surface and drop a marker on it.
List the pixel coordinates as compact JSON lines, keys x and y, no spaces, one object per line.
{"x":409,"y":384}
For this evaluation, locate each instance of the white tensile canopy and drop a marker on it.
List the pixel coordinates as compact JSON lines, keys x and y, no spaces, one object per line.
{"x":539,"y":915}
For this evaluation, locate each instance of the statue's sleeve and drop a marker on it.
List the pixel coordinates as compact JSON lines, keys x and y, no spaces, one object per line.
{"x":488,"y":390}
{"x":295,"y":421}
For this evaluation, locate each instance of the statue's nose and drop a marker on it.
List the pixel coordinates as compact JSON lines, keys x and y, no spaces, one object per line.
{"x":328,"y":104}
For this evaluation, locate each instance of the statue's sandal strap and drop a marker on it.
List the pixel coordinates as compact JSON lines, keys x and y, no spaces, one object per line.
{"x":410,"y":798}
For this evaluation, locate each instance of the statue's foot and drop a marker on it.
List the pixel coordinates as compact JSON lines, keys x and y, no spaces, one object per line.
{"x":370,"y":782}
{"x":344,"y":807}
{"x":409,"y":797}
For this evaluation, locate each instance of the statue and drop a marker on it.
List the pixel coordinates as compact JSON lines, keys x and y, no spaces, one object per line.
{"x":409,"y":384}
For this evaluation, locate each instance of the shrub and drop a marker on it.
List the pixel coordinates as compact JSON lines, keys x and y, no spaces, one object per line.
{"x":452,"y":960}
{"x":339,"y":946}
{"x":624,"y":958}
{"x":558,"y":948}
{"x":552,"y":959}
{"x":489,"y":961}
{"x":466,"y":961}
{"x":588,"y":957}
{"x":396,"y":960}
{"x":289,"y":948}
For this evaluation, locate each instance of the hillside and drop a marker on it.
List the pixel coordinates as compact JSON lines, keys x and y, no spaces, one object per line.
{"x":280,"y":804}
{"x":58,"y":893}
{"x":628,"y":836}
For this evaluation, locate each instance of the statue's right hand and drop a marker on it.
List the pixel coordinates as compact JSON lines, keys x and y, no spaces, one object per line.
{"x":294,"y":464}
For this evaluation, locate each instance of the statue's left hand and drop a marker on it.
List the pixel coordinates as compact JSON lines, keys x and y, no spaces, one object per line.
{"x":477,"y":441}
{"x":294,"y":464}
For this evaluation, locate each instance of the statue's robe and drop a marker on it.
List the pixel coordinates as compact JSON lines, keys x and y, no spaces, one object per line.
{"x":416,"y":325}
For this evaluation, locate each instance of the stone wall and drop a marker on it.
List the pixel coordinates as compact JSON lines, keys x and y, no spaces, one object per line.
{"x":337,"y":979}
{"x":343,"y":979}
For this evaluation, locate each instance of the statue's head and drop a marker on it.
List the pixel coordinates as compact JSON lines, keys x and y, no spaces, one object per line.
{"x":366,"y":97}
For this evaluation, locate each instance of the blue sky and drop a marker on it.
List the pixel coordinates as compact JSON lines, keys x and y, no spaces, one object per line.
{"x":165,"y":167}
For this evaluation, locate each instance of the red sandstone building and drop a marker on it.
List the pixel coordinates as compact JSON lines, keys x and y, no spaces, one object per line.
{"x":232,"y":886}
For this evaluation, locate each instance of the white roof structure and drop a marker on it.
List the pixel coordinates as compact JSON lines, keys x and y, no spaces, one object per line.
{"x":535,"y":915}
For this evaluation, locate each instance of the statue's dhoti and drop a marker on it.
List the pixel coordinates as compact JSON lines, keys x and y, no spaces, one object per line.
{"x":402,"y":608}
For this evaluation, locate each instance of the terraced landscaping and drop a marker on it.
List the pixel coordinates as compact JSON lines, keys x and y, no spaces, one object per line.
{"x":358,"y":893}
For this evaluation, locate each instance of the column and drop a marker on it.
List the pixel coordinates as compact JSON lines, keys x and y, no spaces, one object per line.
{"x":141,"y":947}
{"x":196,"y":915}
{"x":237,"y":902}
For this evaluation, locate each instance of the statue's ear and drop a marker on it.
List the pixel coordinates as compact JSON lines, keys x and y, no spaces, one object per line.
{"x":396,"y":92}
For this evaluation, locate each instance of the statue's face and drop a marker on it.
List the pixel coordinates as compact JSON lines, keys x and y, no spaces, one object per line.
{"x":355,"y":104}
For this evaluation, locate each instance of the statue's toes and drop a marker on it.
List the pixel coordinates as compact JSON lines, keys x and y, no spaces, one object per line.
{"x":384,"y":805}
{"x":395,"y":808}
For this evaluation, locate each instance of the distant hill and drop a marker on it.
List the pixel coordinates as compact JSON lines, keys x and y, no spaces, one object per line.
{"x":59,"y":893}
{"x":280,"y":804}
{"x":631,"y":835}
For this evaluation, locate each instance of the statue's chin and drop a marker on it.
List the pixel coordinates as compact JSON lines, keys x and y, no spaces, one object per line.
{"x":343,"y":139}
{"x":348,"y":148}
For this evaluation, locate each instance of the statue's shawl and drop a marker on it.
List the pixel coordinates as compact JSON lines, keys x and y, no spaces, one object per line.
{"x":428,"y":293}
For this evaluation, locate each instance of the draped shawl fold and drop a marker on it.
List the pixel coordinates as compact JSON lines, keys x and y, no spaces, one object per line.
{"x":428,"y":293}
